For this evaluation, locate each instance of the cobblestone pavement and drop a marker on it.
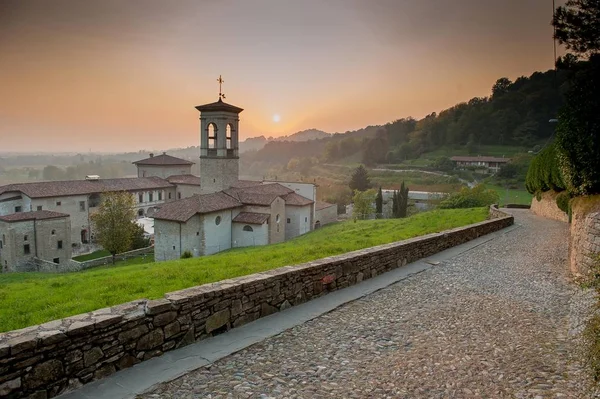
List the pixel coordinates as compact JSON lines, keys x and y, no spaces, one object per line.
{"x":498,"y":321}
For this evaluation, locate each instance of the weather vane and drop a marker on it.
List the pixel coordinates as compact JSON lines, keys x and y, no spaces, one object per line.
{"x":221,"y":81}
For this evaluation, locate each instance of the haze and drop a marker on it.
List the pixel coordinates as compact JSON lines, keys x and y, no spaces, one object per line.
{"x":117,"y":75}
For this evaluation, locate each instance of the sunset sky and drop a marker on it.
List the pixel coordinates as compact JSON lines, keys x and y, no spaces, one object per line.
{"x":116,"y":75}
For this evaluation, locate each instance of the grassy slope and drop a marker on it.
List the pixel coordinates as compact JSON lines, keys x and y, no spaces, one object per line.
{"x":511,"y":196}
{"x":32,"y":298}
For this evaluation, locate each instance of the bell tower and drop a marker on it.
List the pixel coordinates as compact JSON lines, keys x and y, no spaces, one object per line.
{"x":219,"y":144}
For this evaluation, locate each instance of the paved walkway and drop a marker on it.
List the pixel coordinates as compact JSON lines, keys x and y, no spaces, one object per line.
{"x":495,"y":322}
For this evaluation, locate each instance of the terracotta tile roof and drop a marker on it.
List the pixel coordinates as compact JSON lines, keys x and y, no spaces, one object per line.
{"x":163,"y":159}
{"x":480,"y":159}
{"x":35,"y":215}
{"x":183,"y":210}
{"x":83,"y":187}
{"x":251,"y":218}
{"x":322,"y":205}
{"x":246,"y":183}
{"x":219,"y":106}
{"x":296,"y":199}
{"x":263,"y":194}
{"x":190,"y":180}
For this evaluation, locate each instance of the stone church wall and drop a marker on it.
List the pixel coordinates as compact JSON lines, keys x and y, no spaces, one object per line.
{"x":61,"y":355}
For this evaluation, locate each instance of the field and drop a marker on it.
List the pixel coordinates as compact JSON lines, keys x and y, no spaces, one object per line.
{"x":33,"y":298}
{"x":511,"y":196}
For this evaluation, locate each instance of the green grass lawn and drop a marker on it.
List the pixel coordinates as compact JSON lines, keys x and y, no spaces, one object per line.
{"x":33,"y":298}
{"x":511,"y":196}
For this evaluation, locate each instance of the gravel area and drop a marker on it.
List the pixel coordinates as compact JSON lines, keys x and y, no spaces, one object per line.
{"x":499,"y":321}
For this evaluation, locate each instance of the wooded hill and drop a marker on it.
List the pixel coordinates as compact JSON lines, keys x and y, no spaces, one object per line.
{"x":516,"y":113}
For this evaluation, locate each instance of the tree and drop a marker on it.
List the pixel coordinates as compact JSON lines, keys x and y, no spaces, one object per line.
{"x":363,"y":204}
{"x":471,"y":198}
{"x":501,"y":87}
{"x":52,"y":172}
{"x":113,"y":222}
{"x":577,"y":25}
{"x":360,"y":179}
{"x":138,"y":240}
{"x":400,"y":202}
{"x":379,"y":203}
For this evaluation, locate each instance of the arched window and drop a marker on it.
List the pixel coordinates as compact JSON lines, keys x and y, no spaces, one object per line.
{"x":212,"y":136}
{"x":141,"y":213}
{"x":228,"y":137}
{"x":248,"y":228}
{"x":277,"y":218}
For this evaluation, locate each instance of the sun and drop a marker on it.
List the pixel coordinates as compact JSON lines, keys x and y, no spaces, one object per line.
{"x":276,"y":118}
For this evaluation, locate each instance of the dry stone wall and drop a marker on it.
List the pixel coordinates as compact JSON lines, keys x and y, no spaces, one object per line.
{"x":584,"y":240}
{"x":547,"y":207}
{"x":46,"y":360}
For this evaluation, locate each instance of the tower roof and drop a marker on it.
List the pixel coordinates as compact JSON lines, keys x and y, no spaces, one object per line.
{"x":219,"y":106}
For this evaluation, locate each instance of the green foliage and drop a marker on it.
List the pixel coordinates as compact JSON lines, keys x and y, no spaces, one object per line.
{"x":379,"y":202}
{"x":562,"y":201}
{"x":363,"y":204}
{"x":470,"y":198}
{"x":138,"y":239}
{"x":578,"y":131}
{"x":400,"y":202}
{"x":577,"y":25}
{"x":113,"y":222}
{"x":443,"y":164}
{"x":35,"y":298}
{"x":186,"y":255}
{"x":544,"y":173}
{"x":360,"y":179}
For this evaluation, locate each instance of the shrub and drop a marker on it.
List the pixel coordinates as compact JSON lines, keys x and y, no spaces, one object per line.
{"x":186,"y":255}
{"x":544,"y":173}
{"x":471,"y":198}
{"x":562,"y":201}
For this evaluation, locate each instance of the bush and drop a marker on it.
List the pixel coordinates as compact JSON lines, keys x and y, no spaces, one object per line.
{"x":578,"y":131}
{"x":544,"y":173}
{"x":471,"y":198}
{"x":562,"y":201}
{"x":186,"y":255}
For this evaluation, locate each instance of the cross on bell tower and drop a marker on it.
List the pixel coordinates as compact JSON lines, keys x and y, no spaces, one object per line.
{"x":219,"y":144}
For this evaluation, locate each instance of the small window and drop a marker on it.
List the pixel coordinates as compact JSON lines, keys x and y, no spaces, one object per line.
{"x":25,"y":237}
{"x":18,"y":209}
{"x":150,"y":197}
{"x":58,"y":203}
{"x":169,"y":195}
{"x":53,"y":232}
{"x":306,"y":219}
{"x":82,"y":206}
{"x":39,"y":207}
{"x":248,"y":228}
{"x":218,"y":220}
{"x":173,"y":247}
{"x":197,"y":233}
{"x":277,"y":218}
{"x":59,"y":244}
{"x":1,"y":244}
{"x":140,"y":198}
{"x":179,"y":195}
{"x":57,"y":260}
{"x":141,"y":213}
{"x":26,"y":249}
{"x":214,"y":180}
{"x":289,"y":220}
{"x":160,"y":195}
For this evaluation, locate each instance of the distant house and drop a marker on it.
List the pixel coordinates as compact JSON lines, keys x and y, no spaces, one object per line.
{"x":491,"y":164}
{"x":325,"y":213}
{"x":163,"y":166}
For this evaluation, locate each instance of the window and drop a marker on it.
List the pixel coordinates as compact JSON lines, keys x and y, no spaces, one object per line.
{"x":57,"y":260}
{"x":18,"y":209}
{"x":25,"y":237}
{"x":1,"y":244}
{"x":82,"y":206}
{"x":173,"y":247}
{"x":289,"y":220}
{"x":169,"y":195}
{"x":58,"y":203}
{"x":228,"y":136}
{"x":277,"y":218}
{"x":248,"y":228}
{"x":150,"y":197}
{"x":141,"y":213}
{"x":179,"y":195}
{"x":218,"y":220}
{"x":306,"y":219}
{"x":59,"y":244}
{"x":212,"y":136}
{"x":26,"y":249}
{"x":53,"y":232}
{"x":140,"y":198}
{"x":197,"y":233}
{"x":39,"y":207}
{"x":160,"y":195}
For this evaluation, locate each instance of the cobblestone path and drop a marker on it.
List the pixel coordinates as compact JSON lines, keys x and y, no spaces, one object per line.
{"x":495,"y":322}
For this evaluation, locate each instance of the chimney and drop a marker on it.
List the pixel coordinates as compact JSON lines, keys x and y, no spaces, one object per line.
{"x":151,"y":155}
{"x":164,"y":153}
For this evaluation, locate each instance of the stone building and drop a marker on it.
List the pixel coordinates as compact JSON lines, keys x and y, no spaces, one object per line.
{"x":489,"y":164}
{"x":325,"y":213}
{"x":28,"y":236}
{"x":163,"y":166}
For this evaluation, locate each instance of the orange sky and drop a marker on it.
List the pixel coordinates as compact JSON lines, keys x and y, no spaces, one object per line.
{"x":116,"y":75}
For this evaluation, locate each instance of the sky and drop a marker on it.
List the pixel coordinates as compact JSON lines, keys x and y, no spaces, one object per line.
{"x":113,"y":75}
